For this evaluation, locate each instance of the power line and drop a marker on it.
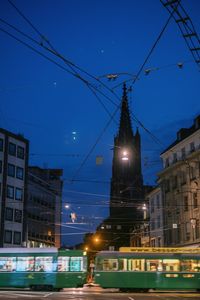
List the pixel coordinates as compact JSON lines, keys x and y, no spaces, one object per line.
{"x":151,"y":50}
{"x":186,"y":27}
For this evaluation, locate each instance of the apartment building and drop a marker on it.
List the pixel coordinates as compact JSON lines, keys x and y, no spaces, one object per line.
{"x":13,"y":188}
{"x":180,"y":185}
{"x":44,"y":207}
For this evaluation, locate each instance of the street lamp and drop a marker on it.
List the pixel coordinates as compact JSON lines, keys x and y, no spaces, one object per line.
{"x":125,"y":155}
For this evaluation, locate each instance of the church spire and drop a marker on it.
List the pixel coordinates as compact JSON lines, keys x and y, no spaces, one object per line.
{"x":125,"y":127}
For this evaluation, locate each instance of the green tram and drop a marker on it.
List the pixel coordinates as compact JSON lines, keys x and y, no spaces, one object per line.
{"x":42,"y":268}
{"x":141,"y":269}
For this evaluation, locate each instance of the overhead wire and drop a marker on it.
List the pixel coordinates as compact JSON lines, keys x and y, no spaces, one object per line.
{"x":152,"y":49}
{"x":70,"y":64}
{"x":77,"y":75}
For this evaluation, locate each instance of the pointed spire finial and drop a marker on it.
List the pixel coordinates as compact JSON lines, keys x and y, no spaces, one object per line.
{"x":124,"y":89}
{"x":137,"y":132}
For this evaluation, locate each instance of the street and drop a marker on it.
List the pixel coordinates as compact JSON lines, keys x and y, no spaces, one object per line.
{"x":96,"y":293}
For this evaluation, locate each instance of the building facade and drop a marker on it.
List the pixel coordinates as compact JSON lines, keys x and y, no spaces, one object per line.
{"x":180,"y":184}
{"x":156,"y":232}
{"x":13,"y":188}
{"x":44,"y":207}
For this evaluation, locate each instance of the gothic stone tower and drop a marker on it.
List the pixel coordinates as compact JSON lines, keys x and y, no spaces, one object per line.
{"x":127,"y":190}
{"x":126,"y":182}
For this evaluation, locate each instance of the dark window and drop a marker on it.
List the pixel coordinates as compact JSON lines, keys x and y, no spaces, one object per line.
{"x":183,"y":177}
{"x":1,"y":144}
{"x":152,"y":225}
{"x":158,"y":201}
{"x":9,"y":214}
{"x":18,"y":215}
{"x":18,"y":194}
{"x":174,"y":182}
{"x":192,"y":173}
{"x":197,"y":229}
{"x":174,"y":157}
{"x":20,"y":152}
{"x":11,"y":170}
{"x":20,"y":173}
{"x":8,"y":236}
{"x":17,"y":238}
{"x":12,"y":149}
{"x":10,"y":191}
{"x":187,"y":231}
{"x":185,"y":203}
{"x":159,"y":241}
{"x":183,"y":154}
{"x":167,"y":185}
{"x":158,"y":222}
{"x":192,"y":147}
{"x":167,"y":162}
{"x":195,"y":200}
{"x":0,"y":166}
{"x":152,"y":205}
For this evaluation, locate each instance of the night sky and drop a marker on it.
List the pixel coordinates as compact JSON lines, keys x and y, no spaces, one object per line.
{"x":60,"y":115}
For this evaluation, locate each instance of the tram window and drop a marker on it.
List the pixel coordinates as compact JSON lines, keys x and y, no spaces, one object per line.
{"x":63,"y":264}
{"x":154,"y":265}
{"x":136,"y":265}
{"x":7,"y":264}
{"x":25,"y":264}
{"x":123,"y":264}
{"x":76,"y":264}
{"x":172,"y":265}
{"x":171,"y":275}
{"x":190,"y":265}
{"x":188,"y":275}
{"x":110,"y":265}
{"x":44,"y":264}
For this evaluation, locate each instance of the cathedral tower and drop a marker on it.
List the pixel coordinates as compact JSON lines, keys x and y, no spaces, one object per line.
{"x":127,"y":181}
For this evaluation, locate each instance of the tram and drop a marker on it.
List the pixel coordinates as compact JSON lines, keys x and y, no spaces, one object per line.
{"x":42,"y":268}
{"x":141,"y":269}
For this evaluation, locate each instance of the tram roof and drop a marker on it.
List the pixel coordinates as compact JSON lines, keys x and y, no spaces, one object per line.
{"x":28,"y":250}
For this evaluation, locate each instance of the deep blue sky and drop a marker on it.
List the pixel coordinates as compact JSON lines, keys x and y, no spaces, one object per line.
{"x":47,"y":104}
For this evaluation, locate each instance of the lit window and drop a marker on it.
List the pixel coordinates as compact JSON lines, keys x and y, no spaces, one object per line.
{"x":154,"y":265}
{"x":190,"y":265}
{"x":76,"y":264}
{"x":172,"y":265}
{"x":63,"y":264}
{"x":136,"y":265}
{"x":7,"y":264}
{"x":110,"y":265}
{"x":25,"y":264}
{"x":44,"y":264}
